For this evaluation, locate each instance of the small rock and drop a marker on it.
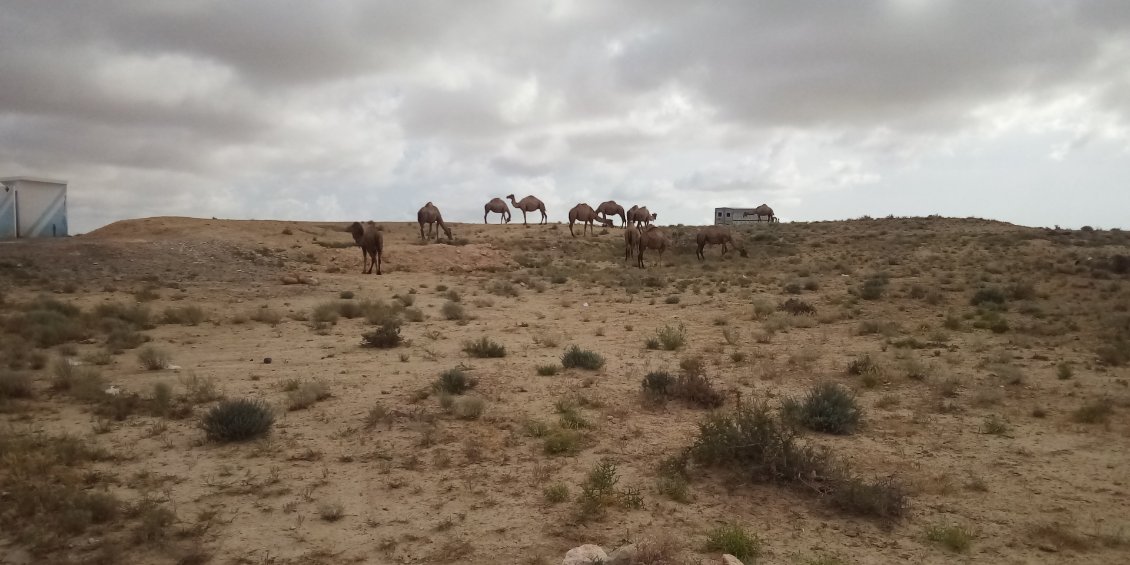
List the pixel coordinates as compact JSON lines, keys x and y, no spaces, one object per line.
{"x":266,"y":360}
{"x":625,"y":555}
{"x":587,"y":554}
{"x":730,"y":560}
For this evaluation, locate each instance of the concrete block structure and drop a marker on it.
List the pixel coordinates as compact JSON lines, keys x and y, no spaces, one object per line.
{"x":32,"y":207}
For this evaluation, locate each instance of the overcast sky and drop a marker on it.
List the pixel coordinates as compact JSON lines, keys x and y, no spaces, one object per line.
{"x":342,"y":110}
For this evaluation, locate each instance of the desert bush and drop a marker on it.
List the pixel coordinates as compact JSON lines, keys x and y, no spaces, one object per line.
{"x":307,"y":394}
{"x":380,"y":313}
{"x":796,"y":307}
{"x":657,"y":385}
{"x":669,"y":338}
{"x":690,"y":386}
{"x":325,"y":313}
{"x":153,"y":358}
{"x":453,"y":311}
{"x":83,"y":383}
{"x":734,"y":540}
{"x":503,"y":288}
{"x":994,"y":425}
{"x":345,"y":294}
{"x":1064,"y":371}
{"x":562,"y":441}
{"x":598,"y":492}
{"x":873,"y":287}
{"x":1095,"y":412}
{"x":47,"y":323}
{"x":454,"y":381}
{"x":828,"y":408}
{"x":988,"y":296}
{"x":468,"y":407}
{"x":199,"y":390}
{"x":14,"y":384}
{"x":884,"y":498}
{"x":953,"y":537}
{"x":266,"y":316}
{"x":136,"y":315}
{"x":548,"y":370}
{"x":556,"y":493}
{"x":575,"y":357}
{"x":673,"y":299}
{"x":864,"y":365}
{"x":185,"y":315}
{"x":237,"y":420}
{"x":386,"y":336}
{"x":484,"y":347}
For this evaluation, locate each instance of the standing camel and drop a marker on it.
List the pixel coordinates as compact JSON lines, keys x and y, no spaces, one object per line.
{"x":429,"y":214}
{"x":763,"y":210}
{"x":713,"y":235}
{"x":529,"y":204}
{"x":498,"y":206}
{"x":611,"y":208}
{"x":652,"y":237}
{"x":631,"y":243}
{"x":641,"y":216}
{"x":586,"y":215}
{"x":371,"y":242}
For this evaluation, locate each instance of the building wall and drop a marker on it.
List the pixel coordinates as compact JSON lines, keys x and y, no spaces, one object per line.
{"x":736,"y":216}
{"x":40,"y":208}
{"x":7,"y":213}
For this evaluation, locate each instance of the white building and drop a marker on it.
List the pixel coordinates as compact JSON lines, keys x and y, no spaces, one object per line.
{"x":738,"y":216}
{"x":32,"y":207}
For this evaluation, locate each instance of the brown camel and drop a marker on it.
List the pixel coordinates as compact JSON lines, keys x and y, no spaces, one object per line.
{"x":763,"y":210}
{"x":631,"y":242}
{"x":371,"y":242}
{"x":429,"y":214}
{"x":641,"y":216}
{"x":611,"y":208}
{"x":498,"y":206}
{"x":586,"y":215}
{"x":529,"y":204}
{"x":652,"y":237}
{"x":713,"y":235}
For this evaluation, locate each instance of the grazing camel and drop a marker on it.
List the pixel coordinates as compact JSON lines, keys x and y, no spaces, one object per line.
{"x":631,"y":242}
{"x":498,"y":206}
{"x":611,"y":208}
{"x":371,"y":242}
{"x":529,"y":204}
{"x":763,"y":210}
{"x":586,"y":215}
{"x":641,"y":216}
{"x":429,"y":214}
{"x":652,"y":237}
{"x":713,"y":235}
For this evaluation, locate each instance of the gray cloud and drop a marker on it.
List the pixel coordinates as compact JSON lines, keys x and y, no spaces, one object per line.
{"x":316,"y":110}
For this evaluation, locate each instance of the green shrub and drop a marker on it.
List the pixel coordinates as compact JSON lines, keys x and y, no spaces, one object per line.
{"x":548,"y":370}
{"x":386,"y":336}
{"x":455,"y":381}
{"x":990,"y":296}
{"x":556,"y":493}
{"x":673,"y":299}
{"x":864,"y":365}
{"x":657,"y":385}
{"x":575,"y":357}
{"x":828,"y":408}
{"x":562,"y":441}
{"x":954,"y":538}
{"x":734,"y":540}
{"x":237,"y":420}
{"x":873,"y":287}
{"x":484,"y":347}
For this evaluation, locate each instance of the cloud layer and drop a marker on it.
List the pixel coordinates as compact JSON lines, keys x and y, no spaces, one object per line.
{"x":336,"y":109}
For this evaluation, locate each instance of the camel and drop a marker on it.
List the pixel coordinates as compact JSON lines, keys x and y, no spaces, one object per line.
{"x":498,"y":206}
{"x":529,"y":204}
{"x":611,"y":208}
{"x":713,"y":235}
{"x":429,"y":214}
{"x":640,"y":216}
{"x":586,"y":215}
{"x":652,"y":237}
{"x":631,"y":242}
{"x":763,"y":210}
{"x":371,"y":242}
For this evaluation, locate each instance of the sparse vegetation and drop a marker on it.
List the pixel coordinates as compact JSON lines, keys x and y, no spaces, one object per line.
{"x":828,"y":408}
{"x":548,"y":370}
{"x":577,"y":358}
{"x":484,"y":347}
{"x":669,"y":338}
{"x":307,"y":394}
{"x":735,"y":540}
{"x":153,"y":358}
{"x":455,"y":381}
{"x":1094,"y":412}
{"x":953,"y":537}
{"x":238,"y":420}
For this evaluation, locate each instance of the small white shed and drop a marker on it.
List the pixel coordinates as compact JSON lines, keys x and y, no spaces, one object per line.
{"x":32,"y":207}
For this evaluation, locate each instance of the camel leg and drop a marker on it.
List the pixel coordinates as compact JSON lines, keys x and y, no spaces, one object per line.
{"x":378,"y":257}
{"x":485,"y":217}
{"x":524,"y":218}
{"x":421,"y":230}
{"x":699,"y":253}
{"x":723,"y":249}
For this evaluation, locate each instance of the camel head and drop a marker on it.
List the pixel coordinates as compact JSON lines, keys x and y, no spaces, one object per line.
{"x":605,"y":222}
{"x":447,"y":231}
{"x":510,"y":196}
{"x":654,"y":216}
{"x":357,"y":230}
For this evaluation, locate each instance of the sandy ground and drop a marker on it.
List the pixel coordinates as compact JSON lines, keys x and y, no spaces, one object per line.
{"x":427,"y":487}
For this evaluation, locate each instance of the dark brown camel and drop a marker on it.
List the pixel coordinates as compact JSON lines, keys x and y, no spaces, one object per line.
{"x":429,"y":214}
{"x":586,"y":215}
{"x":529,"y":204}
{"x":713,"y":235}
{"x":763,"y":210}
{"x":652,"y":237}
{"x":371,"y":242}
{"x":611,"y":208}
{"x":498,"y":206}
